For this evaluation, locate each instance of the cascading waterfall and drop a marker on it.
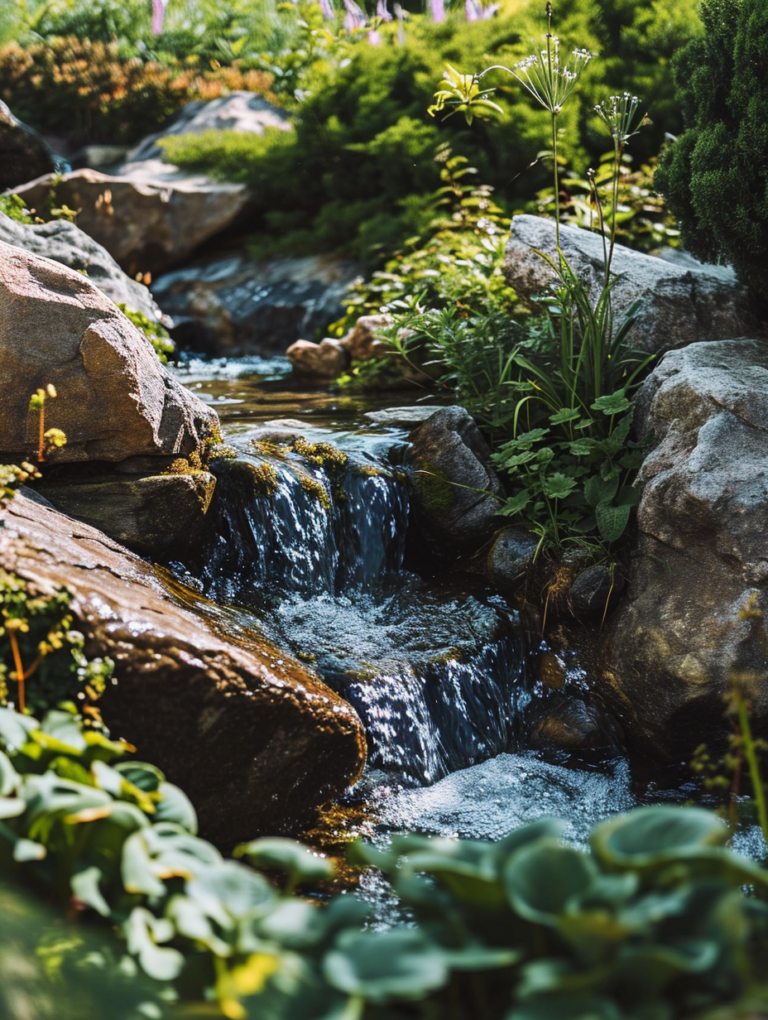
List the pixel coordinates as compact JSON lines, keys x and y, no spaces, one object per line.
{"x":312,"y":540}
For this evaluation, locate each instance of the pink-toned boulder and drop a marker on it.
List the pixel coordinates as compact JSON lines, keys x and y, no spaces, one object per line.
{"x":115,"y":399}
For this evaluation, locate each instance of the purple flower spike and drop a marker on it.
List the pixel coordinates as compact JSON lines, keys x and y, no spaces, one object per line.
{"x":374,"y":38}
{"x":473,"y":10}
{"x":327,"y":8}
{"x":489,"y":11}
{"x":355,"y":16}
{"x":437,"y":7}
{"x":158,"y":16}
{"x":382,"y":12}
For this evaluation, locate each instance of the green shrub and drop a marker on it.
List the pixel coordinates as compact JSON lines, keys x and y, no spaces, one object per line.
{"x":714,"y":176}
{"x":357,"y":174}
{"x":89,"y":90}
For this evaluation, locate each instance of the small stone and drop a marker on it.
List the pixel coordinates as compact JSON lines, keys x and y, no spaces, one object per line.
{"x":509,"y":557}
{"x":323,"y":361}
{"x":361,"y":341}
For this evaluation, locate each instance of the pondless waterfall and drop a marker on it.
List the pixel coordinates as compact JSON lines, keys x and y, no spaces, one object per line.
{"x":311,"y":538}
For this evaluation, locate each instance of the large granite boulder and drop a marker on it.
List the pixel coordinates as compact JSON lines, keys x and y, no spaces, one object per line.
{"x":147,"y":224}
{"x":65,"y":243}
{"x":115,"y":399}
{"x":455,"y":487}
{"x":680,"y":304}
{"x":24,"y":154}
{"x":245,"y":112}
{"x":696,"y":619}
{"x":252,"y":737}
{"x":230,"y":305}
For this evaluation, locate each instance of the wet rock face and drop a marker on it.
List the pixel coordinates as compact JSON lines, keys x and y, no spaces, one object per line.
{"x":680,"y":304}
{"x":255,"y":740}
{"x":161,"y":516}
{"x":454,"y":484}
{"x":115,"y":399}
{"x":230,"y":305}
{"x":697,"y":613}
{"x":148,"y":224}
{"x":25,"y":154}
{"x":65,"y":243}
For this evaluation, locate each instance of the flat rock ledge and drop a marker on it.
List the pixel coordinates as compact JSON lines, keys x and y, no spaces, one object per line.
{"x":254,"y":739}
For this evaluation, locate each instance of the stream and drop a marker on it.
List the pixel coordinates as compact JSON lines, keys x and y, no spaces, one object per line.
{"x":308,"y":542}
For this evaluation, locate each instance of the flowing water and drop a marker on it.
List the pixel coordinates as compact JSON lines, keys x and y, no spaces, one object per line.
{"x":308,"y":542}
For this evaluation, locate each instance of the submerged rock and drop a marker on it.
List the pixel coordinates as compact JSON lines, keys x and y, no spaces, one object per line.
{"x":455,"y":487}
{"x":695,"y":621}
{"x":255,"y":740}
{"x":65,"y":243}
{"x":148,"y":223}
{"x":679,"y":304}
{"x":115,"y":399}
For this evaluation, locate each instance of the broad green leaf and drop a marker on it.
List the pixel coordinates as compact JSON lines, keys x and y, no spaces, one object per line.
{"x":515,"y":504}
{"x":15,"y":729}
{"x":143,"y":932}
{"x":581,"y":447}
{"x":295,"y":861}
{"x":542,"y":878}
{"x":652,"y":834}
{"x":612,"y":520}
{"x":614,"y":403}
{"x":85,"y":886}
{"x":566,"y":414}
{"x":9,"y":777}
{"x":28,"y":850}
{"x":176,"y":807}
{"x":293,"y":923}
{"x":557,"y":485}
{"x":385,"y":966}
{"x":599,"y":490}
{"x":143,"y":775}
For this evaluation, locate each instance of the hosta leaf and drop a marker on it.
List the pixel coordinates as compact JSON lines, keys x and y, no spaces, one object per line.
{"x":175,"y":806}
{"x":295,"y":861}
{"x":28,"y":850}
{"x":612,"y":520}
{"x":381,"y":966}
{"x":85,"y":886}
{"x":649,"y":834}
{"x":542,"y":878}
{"x":9,"y":777}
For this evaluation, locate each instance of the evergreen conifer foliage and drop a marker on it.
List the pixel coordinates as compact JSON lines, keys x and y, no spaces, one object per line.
{"x":715,"y":176}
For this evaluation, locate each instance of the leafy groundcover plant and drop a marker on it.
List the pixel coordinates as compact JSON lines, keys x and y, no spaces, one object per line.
{"x":650,"y":922}
{"x":555,"y":391}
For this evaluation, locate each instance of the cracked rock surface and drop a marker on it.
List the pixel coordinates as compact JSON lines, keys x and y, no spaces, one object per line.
{"x":697,"y":613}
{"x":115,"y":399}
{"x":254,"y":739}
{"x":679,"y":304}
